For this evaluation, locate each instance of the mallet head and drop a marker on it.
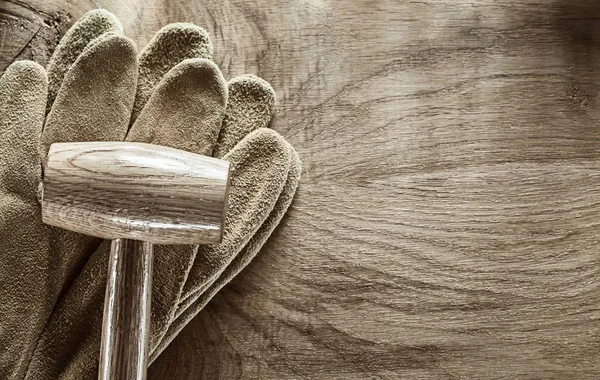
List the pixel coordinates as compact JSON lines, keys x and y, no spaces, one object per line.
{"x":137,"y":191}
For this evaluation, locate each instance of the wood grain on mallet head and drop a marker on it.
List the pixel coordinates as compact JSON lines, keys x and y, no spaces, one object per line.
{"x":138,"y":191}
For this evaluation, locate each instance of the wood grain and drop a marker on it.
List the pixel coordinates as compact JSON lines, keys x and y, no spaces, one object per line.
{"x":27,"y":32}
{"x":126,"y":321}
{"x":137,"y":191}
{"x":446,"y":225}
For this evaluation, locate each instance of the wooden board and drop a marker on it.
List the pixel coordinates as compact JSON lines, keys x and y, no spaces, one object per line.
{"x":446,"y":225}
{"x":28,"y":31}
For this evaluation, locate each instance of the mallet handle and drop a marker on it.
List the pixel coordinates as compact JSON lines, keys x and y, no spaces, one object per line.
{"x":126,"y":325}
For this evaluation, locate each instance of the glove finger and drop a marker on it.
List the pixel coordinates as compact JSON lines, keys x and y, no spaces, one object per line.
{"x":259,"y":168}
{"x":184,"y":112}
{"x":70,"y":344}
{"x":261,"y":236}
{"x":191,"y":306}
{"x":90,"y":26}
{"x":171,"y":45}
{"x":186,"y":109}
{"x":23,"y":89}
{"x":23,"y":271}
{"x":260,"y":163}
{"x":250,"y":106}
{"x":94,"y":102}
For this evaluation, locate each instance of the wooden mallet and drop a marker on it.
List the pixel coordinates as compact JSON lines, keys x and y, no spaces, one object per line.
{"x":138,"y":195}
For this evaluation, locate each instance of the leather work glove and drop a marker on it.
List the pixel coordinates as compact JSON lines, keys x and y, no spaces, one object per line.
{"x":184,"y":107}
